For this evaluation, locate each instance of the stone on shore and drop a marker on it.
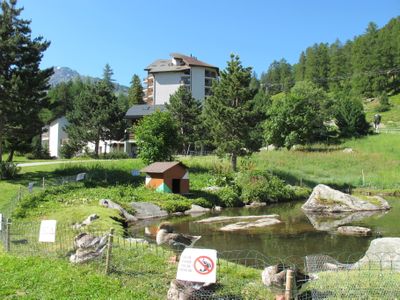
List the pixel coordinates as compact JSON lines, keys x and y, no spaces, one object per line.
{"x":255,"y":204}
{"x":354,"y":230}
{"x":86,"y":222}
{"x":251,"y":224}
{"x":196,"y":209}
{"x":327,"y":200}
{"x":146,"y":210}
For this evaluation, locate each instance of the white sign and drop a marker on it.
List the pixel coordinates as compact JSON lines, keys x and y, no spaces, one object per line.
{"x":47,"y":232}
{"x":80,"y":176}
{"x":198,"y":265}
{"x":1,"y":221}
{"x":135,"y":173}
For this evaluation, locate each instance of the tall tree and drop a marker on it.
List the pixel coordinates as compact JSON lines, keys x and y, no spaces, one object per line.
{"x":135,"y":93}
{"x":317,"y":65}
{"x":22,"y":84}
{"x":228,"y":111}
{"x":96,"y":116}
{"x":279,"y":77}
{"x":157,"y":136}
{"x":107,"y":76}
{"x":186,"y":111}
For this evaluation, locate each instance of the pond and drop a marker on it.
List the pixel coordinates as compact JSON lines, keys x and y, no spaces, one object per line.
{"x":296,"y":236}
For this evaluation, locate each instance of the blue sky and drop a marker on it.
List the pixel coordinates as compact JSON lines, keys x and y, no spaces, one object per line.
{"x":129,"y":35}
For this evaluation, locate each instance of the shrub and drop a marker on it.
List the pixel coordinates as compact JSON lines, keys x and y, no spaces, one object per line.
{"x":8,"y":170}
{"x":263,"y":187}
{"x":114,"y":155}
{"x":69,"y":150}
{"x":229,"y":197}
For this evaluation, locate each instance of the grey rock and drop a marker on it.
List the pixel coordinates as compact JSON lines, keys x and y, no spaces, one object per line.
{"x":88,"y":247}
{"x":146,"y":210}
{"x":249,"y":225}
{"x":110,"y":204}
{"x":196,"y":209}
{"x":185,"y":290}
{"x":327,"y":200}
{"x":348,"y":150}
{"x":223,"y":219}
{"x":255,"y":204}
{"x":217,"y":208}
{"x":383,"y":253}
{"x":354,"y":230}
{"x":87,"y":221}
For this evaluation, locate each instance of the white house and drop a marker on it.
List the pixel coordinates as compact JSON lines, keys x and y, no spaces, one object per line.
{"x":165,"y":76}
{"x":55,"y":136}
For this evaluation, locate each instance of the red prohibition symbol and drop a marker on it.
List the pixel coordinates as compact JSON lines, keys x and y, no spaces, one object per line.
{"x":203,"y":265}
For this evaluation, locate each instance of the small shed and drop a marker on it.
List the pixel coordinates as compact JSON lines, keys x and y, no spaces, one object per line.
{"x":167,"y":177}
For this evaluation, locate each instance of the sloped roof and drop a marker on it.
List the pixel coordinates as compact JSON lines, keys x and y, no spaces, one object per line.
{"x":141,"y":110}
{"x":161,"y":167}
{"x":165,"y":65}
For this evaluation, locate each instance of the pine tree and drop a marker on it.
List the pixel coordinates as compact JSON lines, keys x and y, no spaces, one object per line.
{"x":135,"y":93}
{"x":300,"y":68}
{"x":22,"y":84}
{"x":96,"y":116}
{"x":186,"y":111}
{"x":107,"y":76}
{"x":229,"y":113}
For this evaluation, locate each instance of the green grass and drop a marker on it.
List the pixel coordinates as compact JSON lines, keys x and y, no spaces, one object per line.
{"x":377,"y":157}
{"x":391,"y":118}
{"x":357,"y":284}
{"x":137,"y":274}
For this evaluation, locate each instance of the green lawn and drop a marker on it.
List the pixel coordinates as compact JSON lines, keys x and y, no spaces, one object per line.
{"x":391,"y":118}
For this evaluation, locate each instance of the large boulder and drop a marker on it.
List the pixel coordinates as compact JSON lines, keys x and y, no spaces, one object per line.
{"x":185,"y":290}
{"x":146,"y":210}
{"x":88,"y":247}
{"x":196,"y":210}
{"x":383,"y":253}
{"x":327,"y":200}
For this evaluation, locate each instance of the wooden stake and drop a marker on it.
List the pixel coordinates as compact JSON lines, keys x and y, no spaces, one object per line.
{"x":8,"y":225}
{"x":109,"y":250}
{"x":289,"y":284}
{"x":42,"y":182}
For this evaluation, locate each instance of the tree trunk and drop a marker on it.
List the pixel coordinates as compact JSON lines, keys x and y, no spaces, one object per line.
{"x":11,"y":155}
{"x":96,"y":148}
{"x":234,"y":162}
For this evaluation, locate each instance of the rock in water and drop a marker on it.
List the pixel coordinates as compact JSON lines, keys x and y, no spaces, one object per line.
{"x":196,"y":210}
{"x":354,"y":230}
{"x":383,"y":253}
{"x":327,"y":200}
{"x":145,"y":210}
{"x":248,"y":225}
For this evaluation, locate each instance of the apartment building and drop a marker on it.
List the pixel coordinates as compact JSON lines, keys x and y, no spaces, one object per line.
{"x":165,"y":76}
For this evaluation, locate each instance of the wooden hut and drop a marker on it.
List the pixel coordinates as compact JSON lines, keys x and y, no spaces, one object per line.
{"x":167,"y":177}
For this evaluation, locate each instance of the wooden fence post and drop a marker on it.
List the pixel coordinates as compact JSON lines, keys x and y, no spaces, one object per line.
{"x":109,"y":250}
{"x":289,"y":285}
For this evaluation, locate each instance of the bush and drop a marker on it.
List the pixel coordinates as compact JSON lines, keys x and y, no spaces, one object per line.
{"x":229,"y":197}
{"x":69,"y":150}
{"x":263,"y":187}
{"x":8,"y":170}
{"x":114,"y":155}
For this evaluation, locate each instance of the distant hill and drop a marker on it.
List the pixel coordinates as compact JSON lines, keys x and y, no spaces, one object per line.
{"x":64,"y":74}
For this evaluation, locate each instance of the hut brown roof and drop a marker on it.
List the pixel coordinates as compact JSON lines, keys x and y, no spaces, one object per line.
{"x":161,"y":167}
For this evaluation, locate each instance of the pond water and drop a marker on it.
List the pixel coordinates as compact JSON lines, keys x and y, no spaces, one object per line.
{"x":297,"y":236}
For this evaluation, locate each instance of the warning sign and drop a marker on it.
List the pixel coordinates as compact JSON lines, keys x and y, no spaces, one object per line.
{"x":47,"y":232}
{"x":198,"y":265}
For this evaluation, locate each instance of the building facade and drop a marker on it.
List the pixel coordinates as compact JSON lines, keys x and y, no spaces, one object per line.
{"x":165,"y":76}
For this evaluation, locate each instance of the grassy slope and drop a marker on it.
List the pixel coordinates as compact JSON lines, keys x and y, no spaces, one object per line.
{"x":377,"y":156}
{"x":391,"y":118}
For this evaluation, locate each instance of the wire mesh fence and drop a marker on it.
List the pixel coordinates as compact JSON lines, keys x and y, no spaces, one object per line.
{"x":241,"y":274}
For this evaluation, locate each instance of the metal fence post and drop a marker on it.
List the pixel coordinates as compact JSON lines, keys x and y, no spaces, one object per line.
{"x":109,"y":250}
{"x":289,"y":285}
{"x":7,"y":241}
{"x":42,"y":182}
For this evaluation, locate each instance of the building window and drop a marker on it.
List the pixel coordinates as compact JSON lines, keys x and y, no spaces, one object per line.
{"x":209,"y":73}
{"x":208,"y":82}
{"x":186,"y":72}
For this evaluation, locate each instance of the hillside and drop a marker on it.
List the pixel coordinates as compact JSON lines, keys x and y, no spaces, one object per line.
{"x":390,"y":118}
{"x":64,"y":74}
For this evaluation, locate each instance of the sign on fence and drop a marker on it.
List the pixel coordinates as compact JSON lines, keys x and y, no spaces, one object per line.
{"x":47,"y":233}
{"x":80,"y":176}
{"x":198,"y":265}
{"x":135,"y":173}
